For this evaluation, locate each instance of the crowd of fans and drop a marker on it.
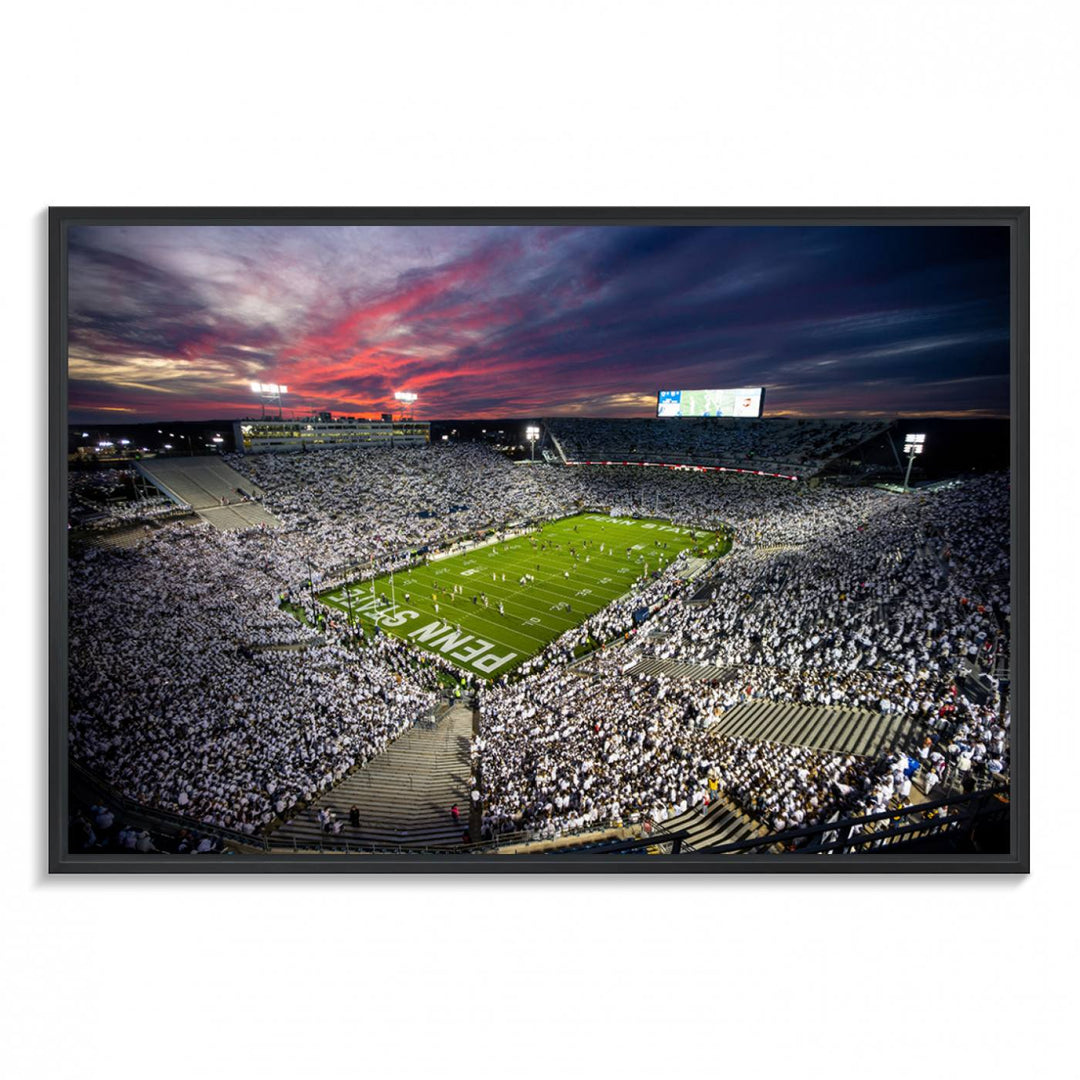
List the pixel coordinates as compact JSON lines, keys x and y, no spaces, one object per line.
{"x":348,"y":506}
{"x":360,"y":506}
{"x":775,"y":444}
{"x":558,"y":753}
{"x":872,"y":601}
{"x":878,"y":613}
{"x":101,"y":499}
{"x":97,"y":829}
{"x":98,"y":485}
{"x":194,"y":690}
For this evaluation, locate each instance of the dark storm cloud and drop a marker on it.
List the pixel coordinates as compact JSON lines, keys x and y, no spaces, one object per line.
{"x":529,"y":320}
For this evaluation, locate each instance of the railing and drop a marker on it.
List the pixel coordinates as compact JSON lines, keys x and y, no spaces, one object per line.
{"x":340,"y":845}
{"x":952,"y":779}
{"x":160,"y":820}
{"x":959,"y":814}
{"x":652,"y":832}
{"x":166,"y":821}
{"x":657,"y":833}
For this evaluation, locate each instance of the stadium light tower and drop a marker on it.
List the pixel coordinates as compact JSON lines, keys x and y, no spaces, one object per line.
{"x":532,"y":433}
{"x":269,"y":394}
{"x":407,"y":399}
{"x":913,"y":447}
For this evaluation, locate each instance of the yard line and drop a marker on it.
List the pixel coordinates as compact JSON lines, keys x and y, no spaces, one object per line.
{"x":472,"y":613}
{"x":553,"y":583}
{"x":524,"y":605}
{"x":565,"y":590}
{"x":462,"y":624}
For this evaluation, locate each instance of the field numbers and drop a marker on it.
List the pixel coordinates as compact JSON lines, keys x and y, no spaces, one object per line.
{"x":471,"y":643}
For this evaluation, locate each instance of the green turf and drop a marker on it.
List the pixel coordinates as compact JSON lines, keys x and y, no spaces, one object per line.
{"x":480,"y":640}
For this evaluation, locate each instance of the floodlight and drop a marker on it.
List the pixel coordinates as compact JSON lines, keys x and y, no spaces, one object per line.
{"x":532,"y":433}
{"x":270,"y":393}
{"x":914,"y":444}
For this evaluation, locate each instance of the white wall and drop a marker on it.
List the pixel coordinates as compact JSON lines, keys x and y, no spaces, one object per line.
{"x":540,"y":103}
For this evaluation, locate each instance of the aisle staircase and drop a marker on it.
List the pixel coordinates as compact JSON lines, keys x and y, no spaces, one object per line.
{"x":676,"y":669}
{"x":819,"y":727}
{"x":404,"y":795}
{"x":202,"y":483}
{"x":723,"y":824}
{"x":695,"y":567}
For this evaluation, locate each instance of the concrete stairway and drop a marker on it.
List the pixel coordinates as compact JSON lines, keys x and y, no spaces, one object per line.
{"x":125,"y":536}
{"x":676,"y":669}
{"x":694,"y":567}
{"x":201,"y":483}
{"x":820,"y":727}
{"x":404,"y":794}
{"x":723,"y":824}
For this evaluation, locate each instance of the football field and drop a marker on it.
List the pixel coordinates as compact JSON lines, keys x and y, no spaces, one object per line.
{"x":490,"y":609}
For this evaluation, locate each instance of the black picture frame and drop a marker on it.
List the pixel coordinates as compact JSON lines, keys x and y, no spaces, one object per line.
{"x":1016,"y":861}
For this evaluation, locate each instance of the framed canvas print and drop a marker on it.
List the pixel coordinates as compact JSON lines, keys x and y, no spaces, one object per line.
{"x":533,"y":540}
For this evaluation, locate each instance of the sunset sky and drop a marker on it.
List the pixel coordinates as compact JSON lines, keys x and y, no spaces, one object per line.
{"x":175,"y":322}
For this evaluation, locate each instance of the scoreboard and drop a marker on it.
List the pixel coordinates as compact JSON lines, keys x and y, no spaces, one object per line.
{"x":747,"y":401}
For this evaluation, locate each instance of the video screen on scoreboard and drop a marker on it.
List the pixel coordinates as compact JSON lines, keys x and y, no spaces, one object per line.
{"x":747,"y":401}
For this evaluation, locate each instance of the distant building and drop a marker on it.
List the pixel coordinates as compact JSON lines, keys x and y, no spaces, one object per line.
{"x":261,"y":436}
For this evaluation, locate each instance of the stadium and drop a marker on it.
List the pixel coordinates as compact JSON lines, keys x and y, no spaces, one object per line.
{"x":676,"y":543}
{"x":654,"y":637}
